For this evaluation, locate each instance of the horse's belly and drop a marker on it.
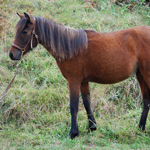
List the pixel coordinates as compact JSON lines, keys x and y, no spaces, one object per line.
{"x":106,"y":79}
{"x":111,"y":74}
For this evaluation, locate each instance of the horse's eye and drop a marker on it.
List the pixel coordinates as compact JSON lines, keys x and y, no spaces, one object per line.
{"x":25,"y":32}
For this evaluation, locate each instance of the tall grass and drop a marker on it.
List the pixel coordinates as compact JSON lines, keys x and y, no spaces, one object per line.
{"x":35,"y":113}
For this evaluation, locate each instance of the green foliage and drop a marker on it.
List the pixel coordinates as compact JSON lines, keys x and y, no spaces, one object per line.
{"x":126,"y":94}
{"x":130,"y":2}
{"x":35,"y":113}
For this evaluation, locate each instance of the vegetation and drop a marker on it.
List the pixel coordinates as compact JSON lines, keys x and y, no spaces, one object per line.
{"x":35,"y":113}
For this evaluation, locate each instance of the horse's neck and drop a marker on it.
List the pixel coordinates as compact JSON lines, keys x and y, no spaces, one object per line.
{"x":62,"y":42}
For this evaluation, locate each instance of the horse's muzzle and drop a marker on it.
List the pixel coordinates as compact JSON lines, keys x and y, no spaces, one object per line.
{"x":17,"y":56}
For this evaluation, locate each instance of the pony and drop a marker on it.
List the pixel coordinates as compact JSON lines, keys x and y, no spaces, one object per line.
{"x":85,"y":56}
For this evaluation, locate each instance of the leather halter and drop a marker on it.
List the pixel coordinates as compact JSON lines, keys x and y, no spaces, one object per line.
{"x":30,"y":40}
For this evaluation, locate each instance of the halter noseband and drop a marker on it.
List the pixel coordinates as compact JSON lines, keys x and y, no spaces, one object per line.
{"x":31,"y":39}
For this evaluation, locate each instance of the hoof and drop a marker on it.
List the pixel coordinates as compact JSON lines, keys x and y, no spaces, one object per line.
{"x":91,"y":129}
{"x":92,"y":126}
{"x":73,"y":134}
{"x":142,"y":127}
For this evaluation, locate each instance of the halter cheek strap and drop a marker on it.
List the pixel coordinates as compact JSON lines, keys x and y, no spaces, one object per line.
{"x":23,"y":49}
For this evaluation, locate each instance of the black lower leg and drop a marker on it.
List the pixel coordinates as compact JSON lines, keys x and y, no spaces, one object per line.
{"x":144,"y":117}
{"x":74,"y":89}
{"x":74,"y":126}
{"x":87,"y":104}
{"x":146,"y":98}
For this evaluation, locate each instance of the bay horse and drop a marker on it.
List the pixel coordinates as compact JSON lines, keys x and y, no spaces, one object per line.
{"x":85,"y":56}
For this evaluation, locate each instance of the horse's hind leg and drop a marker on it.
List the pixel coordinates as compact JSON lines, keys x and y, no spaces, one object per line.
{"x":87,"y":104}
{"x":146,"y":98}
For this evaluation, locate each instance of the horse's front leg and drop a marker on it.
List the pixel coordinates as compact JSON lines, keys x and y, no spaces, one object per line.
{"x":74,"y":89}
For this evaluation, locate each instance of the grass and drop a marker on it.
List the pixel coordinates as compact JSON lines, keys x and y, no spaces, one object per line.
{"x":35,"y":113}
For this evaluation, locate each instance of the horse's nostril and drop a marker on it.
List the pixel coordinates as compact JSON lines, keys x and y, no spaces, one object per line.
{"x":11,"y":55}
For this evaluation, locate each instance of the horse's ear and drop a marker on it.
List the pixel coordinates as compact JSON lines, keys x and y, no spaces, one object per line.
{"x":29,"y":18}
{"x":21,"y":16}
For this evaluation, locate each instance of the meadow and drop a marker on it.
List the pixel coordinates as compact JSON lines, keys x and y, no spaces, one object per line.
{"x":35,"y":113}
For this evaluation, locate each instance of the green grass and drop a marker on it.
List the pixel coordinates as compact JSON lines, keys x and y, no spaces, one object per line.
{"x":35,"y":113}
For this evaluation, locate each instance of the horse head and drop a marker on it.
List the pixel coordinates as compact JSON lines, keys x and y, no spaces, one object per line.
{"x":25,"y":38}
